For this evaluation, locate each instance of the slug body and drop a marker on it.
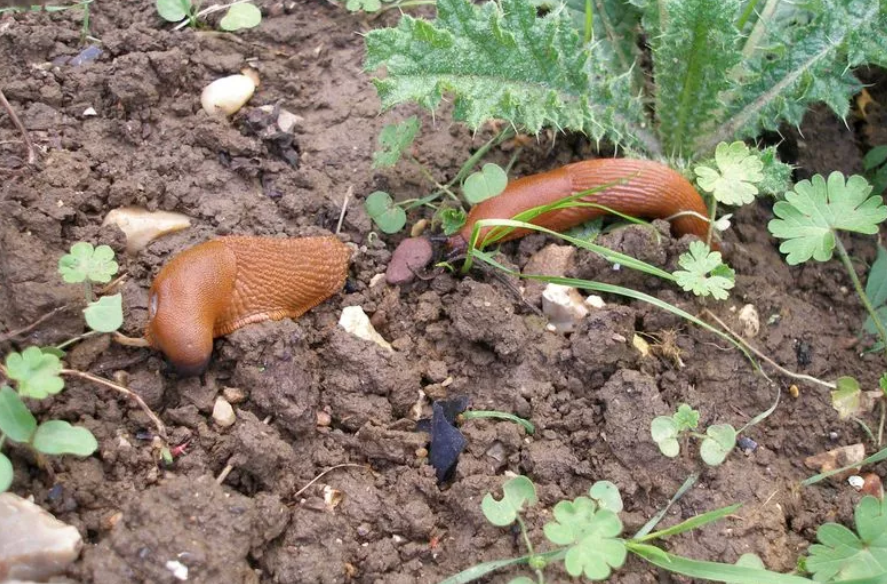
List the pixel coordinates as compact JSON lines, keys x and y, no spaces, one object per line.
{"x":645,"y":189}
{"x":219,"y":286}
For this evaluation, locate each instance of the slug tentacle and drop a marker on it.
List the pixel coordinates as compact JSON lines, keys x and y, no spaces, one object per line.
{"x":216,"y":287}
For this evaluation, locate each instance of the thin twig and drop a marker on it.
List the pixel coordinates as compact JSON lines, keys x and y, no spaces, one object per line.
{"x":122,"y":339}
{"x":767,"y":359}
{"x":16,"y":333}
{"x":224,"y":474}
{"x":329,"y":470}
{"x":161,"y":428}
{"x":32,"y":152}
{"x":348,"y":194}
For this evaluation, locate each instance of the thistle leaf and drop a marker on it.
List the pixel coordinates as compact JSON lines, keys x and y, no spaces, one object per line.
{"x":696,"y":48}
{"x":504,"y":62}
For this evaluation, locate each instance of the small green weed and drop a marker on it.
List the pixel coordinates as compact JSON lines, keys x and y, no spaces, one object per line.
{"x":717,"y":442}
{"x":586,"y":533}
{"x":842,"y":554}
{"x":240,"y":14}
{"x":875,"y":164}
{"x":36,"y":372}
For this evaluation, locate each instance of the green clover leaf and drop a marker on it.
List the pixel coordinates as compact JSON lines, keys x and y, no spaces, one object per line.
{"x":88,"y":263}
{"x":16,"y":420}
{"x":665,"y":434}
{"x":607,"y":496}
{"x":733,"y":183}
{"x":815,"y":210}
{"x":387,"y":215}
{"x":488,"y":182}
{"x":59,"y":437}
{"x":241,"y":16}
{"x":697,"y":264}
{"x":105,"y":315}
{"x":593,"y":534}
{"x":394,"y":139}
{"x":517,"y":492}
{"x":844,"y":555}
{"x":36,"y":372}
{"x":719,"y":441}
{"x":686,"y":418}
{"x":846,"y":397}
{"x":173,"y":10}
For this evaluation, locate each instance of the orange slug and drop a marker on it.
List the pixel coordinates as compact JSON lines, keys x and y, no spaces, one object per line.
{"x":648,"y":190}
{"x":218,"y":286}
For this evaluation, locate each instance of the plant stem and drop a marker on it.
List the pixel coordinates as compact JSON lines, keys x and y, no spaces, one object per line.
{"x":523,"y":530}
{"x":746,"y":14}
{"x":78,"y":338}
{"x":87,"y":291}
{"x":161,"y":428}
{"x":711,"y":220}
{"x":881,"y":425}
{"x":860,"y":291}
{"x":26,"y":138}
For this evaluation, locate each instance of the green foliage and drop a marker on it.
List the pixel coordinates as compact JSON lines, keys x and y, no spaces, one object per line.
{"x":394,"y":140}
{"x":388,"y":216}
{"x":777,"y":175}
{"x":484,"y":184}
{"x":36,"y":373}
{"x":875,"y":164}
{"x":738,"y":170}
{"x":842,"y":554}
{"x":6,"y":472}
{"x":717,"y":442}
{"x":241,"y":16}
{"x":704,"y":273}
{"x":105,"y":315}
{"x":517,"y":493}
{"x":876,"y":288}
{"x":365,"y":5}
{"x":88,"y":264}
{"x":16,"y":420}
{"x":846,"y":396}
{"x":587,"y":533}
{"x":816,"y":210}
{"x":722,"y":70}
{"x":451,"y":220}
{"x":501,"y":61}
{"x":174,"y":10}
{"x":57,"y":437}
{"x":592,"y":534}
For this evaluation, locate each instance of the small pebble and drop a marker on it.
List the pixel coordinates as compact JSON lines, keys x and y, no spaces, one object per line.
{"x":234,"y":395}
{"x":747,"y":445}
{"x":324,"y":419}
{"x":856,"y":482}
{"x":223,"y":413}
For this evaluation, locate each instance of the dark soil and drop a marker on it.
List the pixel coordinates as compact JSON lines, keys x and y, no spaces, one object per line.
{"x":591,"y":395}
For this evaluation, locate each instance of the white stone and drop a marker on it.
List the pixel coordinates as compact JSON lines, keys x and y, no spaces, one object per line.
{"x":355,"y":321}
{"x":34,"y":545}
{"x":223,"y":413}
{"x":90,"y":112}
{"x":564,"y":307}
{"x":595,"y":301}
{"x":178,"y":569}
{"x":749,"y":321}
{"x":227,"y":95}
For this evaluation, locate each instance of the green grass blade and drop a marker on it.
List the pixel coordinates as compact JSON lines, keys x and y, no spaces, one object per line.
{"x":619,"y":290}
{"x":692,"y":523}
{"x":711,"y":570}
{"x":876,"y":457}
{"x":478,"y":414}
{"x":654,"y":521}
{"x":480,"y":570}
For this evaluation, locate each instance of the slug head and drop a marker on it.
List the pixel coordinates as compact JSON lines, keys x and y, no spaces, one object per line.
{"x":186,"y":298}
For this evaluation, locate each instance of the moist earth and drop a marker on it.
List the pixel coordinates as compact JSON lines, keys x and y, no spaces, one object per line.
{"x":241,"y":504}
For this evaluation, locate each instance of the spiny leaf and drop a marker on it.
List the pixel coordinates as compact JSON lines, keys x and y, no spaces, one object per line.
{"x":36,"y":372}
{"x":691,"y":56}
{"x":738,"y":170}
{"x":815,"y":210}
{"x":844,"y":555}
{"x":504,"y":62}
{"x":697,"y":264}
{"x":394,"y":140}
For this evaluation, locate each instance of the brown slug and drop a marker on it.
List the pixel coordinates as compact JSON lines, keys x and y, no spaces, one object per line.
{"x":218,"y":286}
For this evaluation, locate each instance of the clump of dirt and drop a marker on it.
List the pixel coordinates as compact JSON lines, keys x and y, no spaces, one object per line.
{"x":313,"y":397}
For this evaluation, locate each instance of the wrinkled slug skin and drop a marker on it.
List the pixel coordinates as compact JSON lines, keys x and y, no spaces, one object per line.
{"x":219,"y":286}
{"x":651,"y":191}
